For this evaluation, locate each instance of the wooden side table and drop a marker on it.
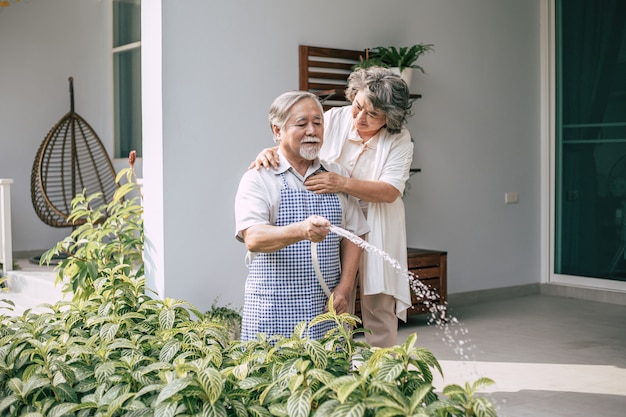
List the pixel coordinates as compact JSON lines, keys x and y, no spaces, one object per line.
{"x":430,"y":267}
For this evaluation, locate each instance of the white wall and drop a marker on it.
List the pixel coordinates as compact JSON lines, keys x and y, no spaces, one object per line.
{"x":43,"y":44}
{"x":476,"y":128}
{"x":477,"y":132}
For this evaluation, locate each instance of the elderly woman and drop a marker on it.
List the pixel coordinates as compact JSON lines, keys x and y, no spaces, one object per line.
{"x":370,"y":140}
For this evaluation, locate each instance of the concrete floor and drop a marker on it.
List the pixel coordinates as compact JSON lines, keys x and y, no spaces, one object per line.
{"x":549,"y":356}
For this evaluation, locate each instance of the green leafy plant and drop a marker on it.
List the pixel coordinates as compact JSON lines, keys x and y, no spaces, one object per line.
{"x":109,"y":242}
{"x":227,"y":315}
{"x":400,"y":57}
{"x":118,"y":351}
{"x":463,"y":401}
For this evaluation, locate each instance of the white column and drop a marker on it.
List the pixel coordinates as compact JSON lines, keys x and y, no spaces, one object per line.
{"x":6,"y":246}
{"x":152,"y":146}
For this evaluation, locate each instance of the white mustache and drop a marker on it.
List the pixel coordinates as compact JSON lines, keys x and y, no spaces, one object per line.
{"x":311,"y":139}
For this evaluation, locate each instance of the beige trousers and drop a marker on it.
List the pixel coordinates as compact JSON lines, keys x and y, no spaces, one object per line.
{"x":379,"y":316}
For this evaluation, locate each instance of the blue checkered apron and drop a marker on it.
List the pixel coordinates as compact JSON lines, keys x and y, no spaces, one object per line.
{"x":282,"y":289}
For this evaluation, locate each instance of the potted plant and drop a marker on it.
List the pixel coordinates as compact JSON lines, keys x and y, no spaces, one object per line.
{"x":401,"y":60}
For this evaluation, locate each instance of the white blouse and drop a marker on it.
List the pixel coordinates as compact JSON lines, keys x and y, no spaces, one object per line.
{"x":390,"y":162}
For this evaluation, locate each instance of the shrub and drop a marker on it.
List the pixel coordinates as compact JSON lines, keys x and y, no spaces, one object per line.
{"x":114,"y":350}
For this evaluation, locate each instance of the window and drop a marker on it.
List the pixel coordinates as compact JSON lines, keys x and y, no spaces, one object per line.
{"x":590,"y":199}
{"x":127,"y":76}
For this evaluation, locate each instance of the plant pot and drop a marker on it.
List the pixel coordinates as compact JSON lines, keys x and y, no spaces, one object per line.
{"x":406,"y":74}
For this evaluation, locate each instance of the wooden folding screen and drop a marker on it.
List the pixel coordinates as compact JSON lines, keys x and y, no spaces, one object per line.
{"x":324,"y":71}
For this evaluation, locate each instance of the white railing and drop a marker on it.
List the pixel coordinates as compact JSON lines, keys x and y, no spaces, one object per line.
{"x":6,"y":246}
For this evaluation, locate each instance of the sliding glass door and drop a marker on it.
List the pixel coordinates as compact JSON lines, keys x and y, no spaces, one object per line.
{"x":590,"y":148}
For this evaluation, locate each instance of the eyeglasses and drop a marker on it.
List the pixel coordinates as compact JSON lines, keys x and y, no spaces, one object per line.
{"x":371,"y":114}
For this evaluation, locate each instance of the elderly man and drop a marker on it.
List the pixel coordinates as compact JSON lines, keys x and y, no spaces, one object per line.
{"x":277,"y":218}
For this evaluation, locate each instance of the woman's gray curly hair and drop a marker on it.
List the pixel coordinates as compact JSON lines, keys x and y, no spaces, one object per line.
{"x":385,"y":90}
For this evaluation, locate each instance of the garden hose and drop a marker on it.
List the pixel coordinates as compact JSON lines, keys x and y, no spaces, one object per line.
{"x":318,"y":271}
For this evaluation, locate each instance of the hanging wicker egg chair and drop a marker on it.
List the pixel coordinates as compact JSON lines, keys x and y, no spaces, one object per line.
{"x":70,"y":159}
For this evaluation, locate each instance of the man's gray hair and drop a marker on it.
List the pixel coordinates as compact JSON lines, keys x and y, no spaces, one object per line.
{"x":281,"y":107}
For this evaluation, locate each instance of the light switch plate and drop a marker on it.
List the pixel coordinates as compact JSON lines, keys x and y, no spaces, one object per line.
{"x":511,"y":197}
